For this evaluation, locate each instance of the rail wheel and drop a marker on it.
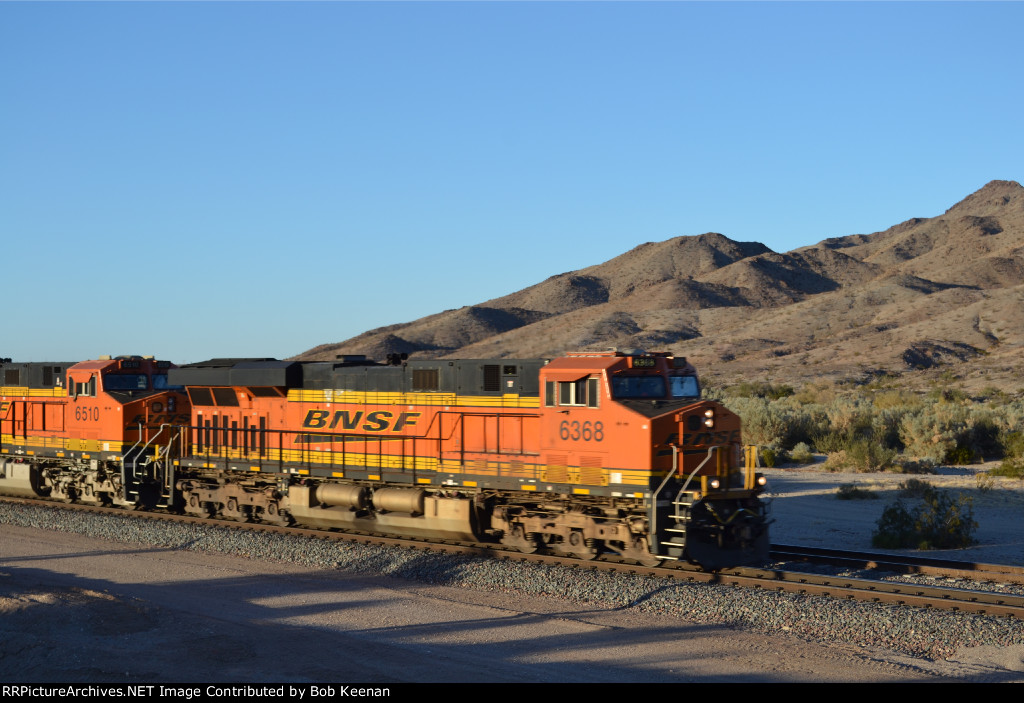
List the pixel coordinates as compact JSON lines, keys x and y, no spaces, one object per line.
{"x":518,"y":539}
{"x":200,"y":508}
{"x":275,"y":516}
{"x":638,"y":552}
{"x":583,"y":548}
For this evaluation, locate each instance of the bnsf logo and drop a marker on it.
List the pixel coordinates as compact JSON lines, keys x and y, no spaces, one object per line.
{"x":699,"y":438}
{"x":711,"y":437}
{"x":377,"y":421}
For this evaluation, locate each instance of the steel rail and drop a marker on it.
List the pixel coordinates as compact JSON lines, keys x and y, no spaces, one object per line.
{"x":842,"y":587}
{"x":901,"y":563}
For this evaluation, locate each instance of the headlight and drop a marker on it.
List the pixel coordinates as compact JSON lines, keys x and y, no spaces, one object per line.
{"x":714,"y":483}
{"x":709,"y":418}
{"x":761,"y":480}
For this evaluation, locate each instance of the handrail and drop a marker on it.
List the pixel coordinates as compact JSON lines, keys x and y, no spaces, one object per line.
{"x":652,"y":532}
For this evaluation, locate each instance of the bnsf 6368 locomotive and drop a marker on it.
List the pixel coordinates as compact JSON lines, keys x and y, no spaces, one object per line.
{"x":594,"y":452}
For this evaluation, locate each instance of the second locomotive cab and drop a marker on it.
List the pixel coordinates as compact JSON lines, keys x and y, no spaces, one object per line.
{"x":592,"y":452}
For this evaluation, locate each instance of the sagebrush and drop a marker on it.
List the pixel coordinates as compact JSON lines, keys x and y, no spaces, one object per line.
{"x":925,"y":517}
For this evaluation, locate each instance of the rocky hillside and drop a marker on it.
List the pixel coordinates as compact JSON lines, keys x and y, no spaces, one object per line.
{"x":929,"y":295}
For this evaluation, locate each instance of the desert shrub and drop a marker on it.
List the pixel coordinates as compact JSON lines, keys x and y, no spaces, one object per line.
{"x":1012,"y":467}
{"x":829,"y":442}
{"x":816,"y":393}
{"x":869,"y":455}
{"x":916,"y":488}
{"x":960,"y":455}
{"x":994,"y":395}
{"x":985,"y":432}
{"x":801,"y":454}
{"x":936,"y":520}
{"x":781,"y":423}
{"x":1011,"y":443}
{"x":984,"y":482}
{"x":849,"y":416}
{"x":849,"y":491}
{"x":862,"y":456}
{"x":928,"y":433}
{"x":948,"y":395}
{"x":923,"y":432}
{"x":837,"y":462}
{"x":906,"y":465}
{"x":759,"y":389}
{"x":763,"y":423}
{"x":773,"y":456}
{"x":885,"y":426}
{"x":896,"y":399}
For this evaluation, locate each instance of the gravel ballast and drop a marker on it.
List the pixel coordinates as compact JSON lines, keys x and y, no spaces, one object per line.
{"x":926,"y":634}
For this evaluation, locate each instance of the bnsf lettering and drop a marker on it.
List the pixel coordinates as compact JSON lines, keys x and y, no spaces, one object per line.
{"x":4,"y":406}
{"x":377,"y":421}
{"x":691,"y":438}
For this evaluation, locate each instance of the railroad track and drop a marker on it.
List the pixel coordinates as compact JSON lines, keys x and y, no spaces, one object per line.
{"x":968,"y":600}
{"x":901,"y":563}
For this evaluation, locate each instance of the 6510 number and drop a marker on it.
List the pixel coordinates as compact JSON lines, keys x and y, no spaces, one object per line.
{"x":85,"y":414}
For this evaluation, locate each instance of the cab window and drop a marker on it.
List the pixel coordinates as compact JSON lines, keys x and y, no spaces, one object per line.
{"x":638,"y":387}
{"x":684,"y":387}
{"x":87,"y":389}
{"x":582,"y":392}
{"x":125,"y":382}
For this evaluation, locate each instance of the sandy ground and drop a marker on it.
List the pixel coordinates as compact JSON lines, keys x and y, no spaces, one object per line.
{"x":81,"y":610}
{"x":72,"y":609}
{"x":806,"y":511}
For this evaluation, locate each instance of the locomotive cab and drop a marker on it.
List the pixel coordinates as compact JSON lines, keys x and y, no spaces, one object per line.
{"x":119,"y":417}
{"x":639,"y":433}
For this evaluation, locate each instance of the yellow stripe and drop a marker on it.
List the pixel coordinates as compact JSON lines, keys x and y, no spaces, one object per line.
{"x":477,"y":467}
{"x":508,"y":400}
{"x":25,"y":391}
{"x":35,"y":441}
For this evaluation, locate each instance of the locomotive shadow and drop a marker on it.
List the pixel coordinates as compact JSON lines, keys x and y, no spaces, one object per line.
{"x":321,"y":625}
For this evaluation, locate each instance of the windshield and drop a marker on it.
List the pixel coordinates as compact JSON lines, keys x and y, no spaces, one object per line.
{"x":638,"y":387}
{"x":685,"y":387}
{"x":125,"y":382}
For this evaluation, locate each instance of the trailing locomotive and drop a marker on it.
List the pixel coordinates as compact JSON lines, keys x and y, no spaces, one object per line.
{"x":592,"y":452}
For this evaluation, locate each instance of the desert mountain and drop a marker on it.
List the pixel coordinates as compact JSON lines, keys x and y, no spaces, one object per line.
{"x":943,"y":292}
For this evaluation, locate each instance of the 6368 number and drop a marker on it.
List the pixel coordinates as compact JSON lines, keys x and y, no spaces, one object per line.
{"x":586,"y":431}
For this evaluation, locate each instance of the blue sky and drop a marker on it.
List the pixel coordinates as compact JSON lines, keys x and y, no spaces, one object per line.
{"x":196,"y":179}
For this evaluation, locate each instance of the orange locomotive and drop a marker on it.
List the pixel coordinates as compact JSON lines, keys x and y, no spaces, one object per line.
{"x":596,"y":451}
{"x":91,"y":434}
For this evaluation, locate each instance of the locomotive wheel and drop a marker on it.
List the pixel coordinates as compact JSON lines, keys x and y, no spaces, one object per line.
{"x":518,"y":539}
{"x":637,"y":551}
{"x":578,"y":546}
{"x":274,"y":516}
{"x":233,"y":511}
